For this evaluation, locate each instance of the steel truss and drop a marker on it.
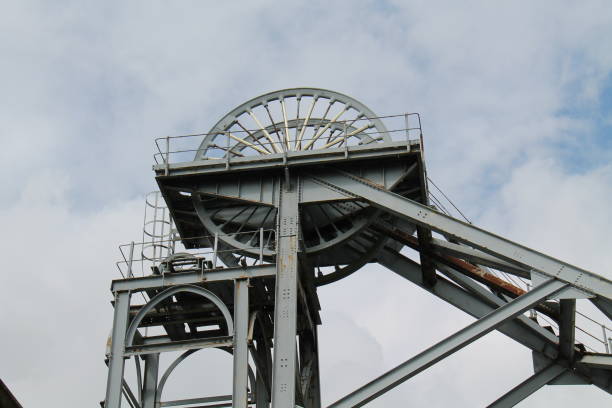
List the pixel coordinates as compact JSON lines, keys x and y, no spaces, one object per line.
{"x":267,"y":314}
{"x":561,"y":281}
{"x":492,"y":311}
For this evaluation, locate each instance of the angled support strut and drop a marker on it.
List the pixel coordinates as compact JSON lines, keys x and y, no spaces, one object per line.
{"x":528,"y":387}
{"x":285,"y":307}
{"x":448,"y":346}
{"x":488,"y":242}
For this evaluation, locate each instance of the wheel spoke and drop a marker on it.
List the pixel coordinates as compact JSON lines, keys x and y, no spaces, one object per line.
{"x":255,"y":139}
{"x":233,"y":218}
{"x":297,"y":120}
{"x":251,"y":145}
{"x":320,"y":132}
{"x":265,"y":132}
{"x":299,"y":139}
{"x":353,"y":133}
{"x":282,"y":101}
{"x":273,"y":124}
{"x":331,"y":222}
{"x":318,"y":125}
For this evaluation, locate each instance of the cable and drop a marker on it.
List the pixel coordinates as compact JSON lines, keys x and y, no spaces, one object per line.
{"x":449,"y":200}
{"x":513,"y":279}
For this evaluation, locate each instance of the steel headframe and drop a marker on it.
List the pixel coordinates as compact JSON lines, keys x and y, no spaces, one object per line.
{"x":269,"y":310}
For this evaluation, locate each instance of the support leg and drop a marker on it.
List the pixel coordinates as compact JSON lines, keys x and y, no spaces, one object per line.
{"x":116,"y":363}
{"x":285,"y":309}
{"x":149,"y":384}
{"x":241,"y":351}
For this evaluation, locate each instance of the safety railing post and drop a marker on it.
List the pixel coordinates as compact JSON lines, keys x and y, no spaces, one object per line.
{"x":345,"y":142}
{"x":227,"y":151}
{"x":261,"y":238}
{"x":130,"y":274}
{"x":606,"y":340}
{"x":407,"y":124}
{"x":167,"y":170}
{"x":421,"y":136}
{"x":215,"y":248}
{"x":172,"y":244}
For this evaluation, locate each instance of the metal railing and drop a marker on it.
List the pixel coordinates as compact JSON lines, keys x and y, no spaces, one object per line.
{"x":208,"y":255}
{"x":404,"y":127}
{"x":592,"y":334}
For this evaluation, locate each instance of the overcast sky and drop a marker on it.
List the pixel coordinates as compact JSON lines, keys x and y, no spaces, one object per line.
{"x":516,"y":101}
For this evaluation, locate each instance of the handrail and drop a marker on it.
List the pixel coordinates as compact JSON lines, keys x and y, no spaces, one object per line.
{"x":174,"y":146}
{"x":134,"y":252}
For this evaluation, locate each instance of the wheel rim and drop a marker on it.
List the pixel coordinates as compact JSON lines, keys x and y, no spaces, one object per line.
{"x":300,"y":119}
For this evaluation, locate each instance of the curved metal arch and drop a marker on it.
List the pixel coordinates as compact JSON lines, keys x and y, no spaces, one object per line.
{"x":180,"y":359}
{"x":276,"y":133}
{"x":232,"y":242}
{"x":228,"y":120}
{"x":170,"y":292}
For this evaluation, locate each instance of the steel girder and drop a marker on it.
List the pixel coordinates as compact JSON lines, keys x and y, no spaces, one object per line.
{"x":193,"y":277}
{"x":498,"y":252}
{"x":127,"y":342}
{"x":529,"y":386}
{"x":116,"y":366}
{"x":241,"y":351}
{"x":485,"y":241}
{"x":477,"y":301}
{"x":449,"y":345}
{"x":285,"y":308}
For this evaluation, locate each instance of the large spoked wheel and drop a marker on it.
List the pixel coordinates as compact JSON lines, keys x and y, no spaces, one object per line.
{"x":291,"y":120}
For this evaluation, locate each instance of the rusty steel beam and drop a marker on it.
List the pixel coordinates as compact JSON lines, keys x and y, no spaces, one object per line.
{"x":478,"y":273}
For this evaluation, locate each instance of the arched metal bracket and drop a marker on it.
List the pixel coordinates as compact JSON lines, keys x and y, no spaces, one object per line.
{"x":171,"y":292}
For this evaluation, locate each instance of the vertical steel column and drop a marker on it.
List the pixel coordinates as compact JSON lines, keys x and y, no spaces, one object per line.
{"x":241,"y":350}
{"x":285,"y":308}
{"x":149,"y":384}
{"x":567,"y":329}
{"x":116,"y":363}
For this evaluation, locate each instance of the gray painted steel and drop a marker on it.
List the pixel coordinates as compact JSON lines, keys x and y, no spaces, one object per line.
{"x":241,"y":351}
{"x":224,"y":341}
{"x":468,"y":233}
{"x":519,"y":331}
{"x":285,"y":308}
{"x":116,"y":362}
{"x":529,"y":386}
{"x":149,"y":384}
{"x":312,"y":203}
{"x":448,"y":346}
{"x":7,"y":399}
{"x":187,"y":278}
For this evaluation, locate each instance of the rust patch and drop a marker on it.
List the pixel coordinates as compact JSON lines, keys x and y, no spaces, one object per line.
{"x":461,"y":265}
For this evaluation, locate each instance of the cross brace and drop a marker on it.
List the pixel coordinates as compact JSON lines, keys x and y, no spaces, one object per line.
{"x":449,"y":345}
{"x":488,"y":242}
{"x":528,"y":387}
